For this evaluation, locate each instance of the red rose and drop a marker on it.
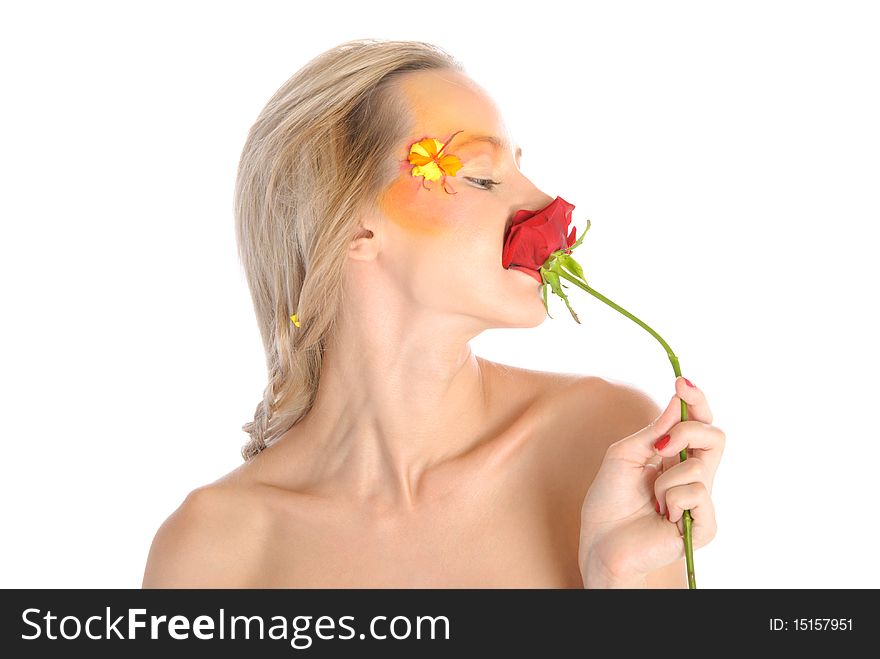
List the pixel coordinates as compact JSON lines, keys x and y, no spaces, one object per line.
{"x":535,"y":235}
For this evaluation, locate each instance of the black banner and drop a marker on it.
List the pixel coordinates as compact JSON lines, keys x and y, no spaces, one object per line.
{"x":428,"y":623}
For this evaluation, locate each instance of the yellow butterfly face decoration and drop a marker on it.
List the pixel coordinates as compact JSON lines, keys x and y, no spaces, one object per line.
{"x":430,"y":162}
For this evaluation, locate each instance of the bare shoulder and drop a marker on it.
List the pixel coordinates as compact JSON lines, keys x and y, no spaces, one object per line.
{"x":614,"y":407}
{"x":602,"y":403}
{"x":626,"y":408}
{"x":578,"y":415}
{"x":207,"y":542}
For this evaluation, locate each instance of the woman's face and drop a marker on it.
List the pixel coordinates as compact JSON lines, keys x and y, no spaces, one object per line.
{"x":442,"y":249}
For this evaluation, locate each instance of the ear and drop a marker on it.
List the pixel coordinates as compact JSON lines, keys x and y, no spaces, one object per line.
{"x":365,"y":245}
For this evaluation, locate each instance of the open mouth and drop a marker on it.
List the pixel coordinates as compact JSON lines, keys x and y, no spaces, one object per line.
{"x":534,"y":274}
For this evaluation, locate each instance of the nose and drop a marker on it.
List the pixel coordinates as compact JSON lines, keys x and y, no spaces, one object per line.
{"x":543,"y":200}
{"x":536,"y":201}
{"x":533,"y":197}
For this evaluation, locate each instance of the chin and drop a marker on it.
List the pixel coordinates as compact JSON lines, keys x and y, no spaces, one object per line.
{"x":528,"y":310}
{"x":539,"y":315}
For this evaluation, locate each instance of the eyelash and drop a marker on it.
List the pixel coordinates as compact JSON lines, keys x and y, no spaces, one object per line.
{"x":483,"y":182}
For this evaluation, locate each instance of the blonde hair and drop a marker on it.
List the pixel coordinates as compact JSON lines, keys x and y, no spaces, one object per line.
{"x":319,"y":152}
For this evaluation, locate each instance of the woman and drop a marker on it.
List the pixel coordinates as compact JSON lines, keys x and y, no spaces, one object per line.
{"x":384,"y":452}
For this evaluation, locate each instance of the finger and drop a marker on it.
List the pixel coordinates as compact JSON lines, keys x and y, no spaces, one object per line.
{"x":692,"y":470}
{"x":672,"y":460}
{"x":703,"y":441}
{"x":693,"y":497}
{"x":639,"y":447}
{"x":669,"y":462}
{"x":697,"y":406}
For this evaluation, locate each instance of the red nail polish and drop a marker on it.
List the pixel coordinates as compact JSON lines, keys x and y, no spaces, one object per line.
{"x":657,"y":506}
{"x":660,"y":443}
{"x":667,"y":514}
{"x":689,"y":383}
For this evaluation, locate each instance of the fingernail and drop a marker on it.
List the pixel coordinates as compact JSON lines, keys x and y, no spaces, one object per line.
{"x":689,"y":383}
{"x":657,"y":506}
{"x":660,"y":443}
{"x":667,"y":514}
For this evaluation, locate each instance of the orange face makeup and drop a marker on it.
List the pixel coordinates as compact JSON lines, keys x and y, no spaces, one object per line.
{"x":409,"y":205}
{"x":411,"y":208}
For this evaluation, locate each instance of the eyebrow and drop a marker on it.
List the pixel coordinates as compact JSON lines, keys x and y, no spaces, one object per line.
{"x":496,"y":142}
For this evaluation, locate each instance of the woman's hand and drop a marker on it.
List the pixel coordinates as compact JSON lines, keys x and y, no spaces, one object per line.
{"x":623,"y":534}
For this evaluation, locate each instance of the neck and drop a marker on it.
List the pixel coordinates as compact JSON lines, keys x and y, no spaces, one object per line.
{"x":395,"y":400}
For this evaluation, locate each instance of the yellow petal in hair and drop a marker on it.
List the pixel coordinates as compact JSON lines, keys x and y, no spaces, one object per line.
{"x":429,"y":160}
{"x":294,"y":319}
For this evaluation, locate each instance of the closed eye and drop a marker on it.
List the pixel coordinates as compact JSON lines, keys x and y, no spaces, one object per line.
{"x":485,"y":183}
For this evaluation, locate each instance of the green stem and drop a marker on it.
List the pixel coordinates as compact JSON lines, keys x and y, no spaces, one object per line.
{"x":688,"y":521}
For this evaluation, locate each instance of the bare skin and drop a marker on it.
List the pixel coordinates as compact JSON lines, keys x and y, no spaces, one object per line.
{"x":421,"y":464}
{"x":504,"y":513}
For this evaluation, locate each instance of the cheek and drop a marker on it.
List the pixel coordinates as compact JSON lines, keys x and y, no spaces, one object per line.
{"x":445,"y":228}
{"x":418,"y":211}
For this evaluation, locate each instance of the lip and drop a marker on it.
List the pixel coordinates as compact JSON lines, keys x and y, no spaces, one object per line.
{"x":534,"y":274}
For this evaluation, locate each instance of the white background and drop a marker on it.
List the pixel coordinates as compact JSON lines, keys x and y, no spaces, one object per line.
{"x":727,"y":154}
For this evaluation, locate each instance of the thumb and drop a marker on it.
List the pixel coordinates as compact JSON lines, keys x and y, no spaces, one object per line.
{"x":639,"y":446}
